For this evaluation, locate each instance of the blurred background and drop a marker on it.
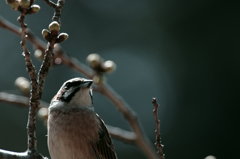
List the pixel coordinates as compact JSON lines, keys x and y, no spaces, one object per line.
{"x":185,"y":53}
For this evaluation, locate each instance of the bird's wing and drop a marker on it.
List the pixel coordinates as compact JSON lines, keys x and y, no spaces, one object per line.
{"x":104,"y":148}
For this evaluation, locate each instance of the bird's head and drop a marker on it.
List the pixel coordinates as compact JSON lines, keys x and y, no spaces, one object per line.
{"x":76,"y":91}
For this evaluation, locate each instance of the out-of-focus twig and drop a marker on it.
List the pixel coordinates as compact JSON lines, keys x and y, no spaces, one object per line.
{"x":121,"y":134}
{"x":51,"y":3}
{"x":158,"y":144}
{"x":19,"y":100}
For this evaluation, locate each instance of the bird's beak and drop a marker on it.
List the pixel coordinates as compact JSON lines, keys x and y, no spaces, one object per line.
{"x":87,"y":83}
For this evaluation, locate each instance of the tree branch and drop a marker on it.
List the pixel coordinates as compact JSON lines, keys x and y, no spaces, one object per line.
{"x":158,"y":144}
{"x":19,"y":100}
{"x":12,"y":155}
{"x":34,"y":93}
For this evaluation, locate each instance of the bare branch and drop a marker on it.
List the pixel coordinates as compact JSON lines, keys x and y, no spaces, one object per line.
{"x":39,"y":44}
{"x":122,"y":135}
{"x":19,"y":100}
{"x":9,"y":26}
{"x":34,"y":95}
{"x":19,"y":155}
{"x":51,"y":3}
{"x":158,"y":144}
{"x":58,"y":8}
{"x":12,"y":155}
{"x":48,"y":57}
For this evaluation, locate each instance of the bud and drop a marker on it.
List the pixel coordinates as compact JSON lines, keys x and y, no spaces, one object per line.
{"x":38,"y":54}
{"x":109,"y":66}
{"x":14,"y":4}
{"x":23,"y":84}
{"x":25,"y":3}
{"x":98,"y":79}
{"x":210,"y":157}
{"x":54,"y":26}
{"x":61,"y":37}
{"x":43,"y":113}
{"x":46,"y":34}
{"x":94,"y":60}
{"x":34,"y":8}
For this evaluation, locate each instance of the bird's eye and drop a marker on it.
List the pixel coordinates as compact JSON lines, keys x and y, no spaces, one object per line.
{"x":67,"y":85}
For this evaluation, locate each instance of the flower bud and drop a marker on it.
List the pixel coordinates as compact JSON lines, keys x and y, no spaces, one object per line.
{"x":34,"y":8}
{"x":46,"y":34}
{"x":43,"y":113}
{"x":23,"y":84}
{"x":54,"y":26}
{"x":14,"y":4}
{"x":61,"y":37}
{"x":94,"y":60}
{"x":38,"y":54}
{"x":25,"y":3}
{"x":109,"y":66}
{"x":210,"y":157}
{"x":97,"y":79}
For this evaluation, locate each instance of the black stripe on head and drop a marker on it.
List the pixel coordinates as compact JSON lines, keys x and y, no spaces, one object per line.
{"x":69,"y":90}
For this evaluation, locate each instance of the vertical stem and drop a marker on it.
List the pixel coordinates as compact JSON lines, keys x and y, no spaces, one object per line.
{"x":34,"y":93}
{"x":46,"y":64}
{"x":158,"y":144}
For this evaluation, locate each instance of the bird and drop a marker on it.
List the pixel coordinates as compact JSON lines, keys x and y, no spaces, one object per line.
{"x":75,"y":130}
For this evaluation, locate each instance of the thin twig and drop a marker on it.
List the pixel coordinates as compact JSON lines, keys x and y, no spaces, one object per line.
{"x":121,"y":134}
{"x":51,"y":3}
{"x":39,"y":44}
{"x":19,"y":100}
{"x":58,"y":9}
{"x":158,"y":144}
{"x":12,"y":155}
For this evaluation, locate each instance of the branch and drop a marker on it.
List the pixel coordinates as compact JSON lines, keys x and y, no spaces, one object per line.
{"x":58,"y":9}
{"x":9,"y":26}
{"x":34,"y":95}
{"x":19,"y":100}
{"x":158,"y":144}
{"x":122,"y":135}
{"x":19,"y":155}
{"x":12,"y":155}
{"x":51,"y":3}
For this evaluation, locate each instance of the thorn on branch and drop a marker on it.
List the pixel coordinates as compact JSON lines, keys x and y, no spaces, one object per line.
{"x":159,"y":146}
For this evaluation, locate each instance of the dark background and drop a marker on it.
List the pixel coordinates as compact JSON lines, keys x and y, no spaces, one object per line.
{"x":186,"y":53}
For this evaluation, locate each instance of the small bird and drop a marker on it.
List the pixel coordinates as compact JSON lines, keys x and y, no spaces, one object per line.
{"x":75,"y":131}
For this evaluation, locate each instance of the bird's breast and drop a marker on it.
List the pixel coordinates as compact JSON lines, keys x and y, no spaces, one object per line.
{"x":71,"y":133}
